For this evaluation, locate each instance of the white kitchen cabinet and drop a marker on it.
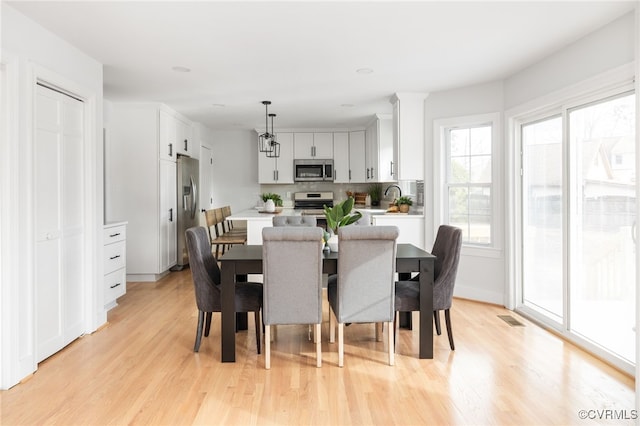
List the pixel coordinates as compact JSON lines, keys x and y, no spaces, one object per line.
{"x":357,"y":154}
{"x":277,"y":170}
{"x":349,"y":157}
{"x":411,"y":227}
{"x":408,"y":134}
{"x":168,"y":215}
{"x":114,"y":261}
{"x":380,"y":155}
{"x":341,"y":157}
{"x":313,"y":145}
{"x":140,"y":187}
{"x":167,"y":146}
{"x":185,"y":141}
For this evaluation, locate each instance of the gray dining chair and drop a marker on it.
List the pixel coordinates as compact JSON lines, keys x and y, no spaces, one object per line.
{"x":295,"y":221}
{"x":292,"y":274}
{"x":446,"y":248}
{"x":364,"y":289}
{"x":206,"y":280}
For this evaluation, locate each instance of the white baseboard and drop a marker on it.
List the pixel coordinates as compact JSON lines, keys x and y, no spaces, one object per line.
{"x":473,"y":293}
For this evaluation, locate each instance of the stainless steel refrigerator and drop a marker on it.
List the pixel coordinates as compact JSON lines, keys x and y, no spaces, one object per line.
{"x":188,"y":179}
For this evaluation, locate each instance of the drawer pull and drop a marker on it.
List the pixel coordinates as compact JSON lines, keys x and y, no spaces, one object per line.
{"x":114,"y":235}
{"x":115,"y":285}
{"x":114,"y":257}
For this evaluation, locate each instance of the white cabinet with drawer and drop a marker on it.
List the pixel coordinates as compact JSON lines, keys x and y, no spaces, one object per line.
{"x":115,"y":261}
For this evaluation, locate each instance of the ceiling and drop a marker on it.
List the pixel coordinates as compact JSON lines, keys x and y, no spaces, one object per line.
{"x":304,"y":56}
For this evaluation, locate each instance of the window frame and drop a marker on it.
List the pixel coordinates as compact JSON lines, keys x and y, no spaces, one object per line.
{"x":442,"y":127}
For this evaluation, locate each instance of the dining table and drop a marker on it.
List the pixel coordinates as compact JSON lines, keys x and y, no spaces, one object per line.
{"x":242,"y":260}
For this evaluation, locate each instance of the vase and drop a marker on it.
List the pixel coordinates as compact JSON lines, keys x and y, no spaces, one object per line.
{"x":332,"y":242}
{"x":269,"y":206}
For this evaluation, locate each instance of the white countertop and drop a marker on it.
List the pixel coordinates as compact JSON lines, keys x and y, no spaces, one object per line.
{"x":255,"y":215}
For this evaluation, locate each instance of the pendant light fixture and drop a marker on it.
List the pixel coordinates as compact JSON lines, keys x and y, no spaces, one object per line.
{"x":274,"y":149}
{"x":264,"y":140}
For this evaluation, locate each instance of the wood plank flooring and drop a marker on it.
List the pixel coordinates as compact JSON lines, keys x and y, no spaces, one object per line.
{"x":141,"y":369}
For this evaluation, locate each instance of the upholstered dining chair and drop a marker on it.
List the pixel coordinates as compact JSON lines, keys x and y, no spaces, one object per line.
{"x":446,"y":248}
{"x":206,"y":280}
{"x":292,"y":275}
{"x":294,"y":221}
{"x":364,"y":289}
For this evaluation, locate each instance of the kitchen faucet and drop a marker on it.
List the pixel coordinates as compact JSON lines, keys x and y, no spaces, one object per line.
{"x":393,"y":186}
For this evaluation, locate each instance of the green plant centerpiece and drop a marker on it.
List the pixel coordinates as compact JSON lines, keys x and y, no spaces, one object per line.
{"x":375,"y":192}
{"x":339,"y":215}
{"x":404,"y":203}
{"x":277,"y":200}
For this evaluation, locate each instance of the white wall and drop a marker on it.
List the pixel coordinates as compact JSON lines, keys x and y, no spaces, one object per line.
{"x":480,"y":276}
{"x":485,"y":278}
{"x":235,"y":160}
{"x":30,"y":52}
{"x":607,"y":48}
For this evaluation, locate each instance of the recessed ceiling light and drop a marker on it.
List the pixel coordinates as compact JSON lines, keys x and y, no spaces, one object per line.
{"x":218,"y":105}
{"x":364,"y":70}
{"x":181,"y":69}
{"x":347,"y":105}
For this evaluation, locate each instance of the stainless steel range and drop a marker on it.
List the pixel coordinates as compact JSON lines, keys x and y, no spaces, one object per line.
{"x":312,"y":203}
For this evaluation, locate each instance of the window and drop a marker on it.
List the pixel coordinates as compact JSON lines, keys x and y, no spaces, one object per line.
{"x":469,"y":181}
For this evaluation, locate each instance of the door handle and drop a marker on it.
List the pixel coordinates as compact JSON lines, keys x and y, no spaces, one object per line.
{"x":634,"y":232}
{"x":170,"y":150}
{"x":186,"y":145}
{"x":171,"y":215}
{"x":194,"y":197}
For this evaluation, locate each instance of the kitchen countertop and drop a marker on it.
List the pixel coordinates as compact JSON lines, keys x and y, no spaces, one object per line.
{"x":255,"y":215}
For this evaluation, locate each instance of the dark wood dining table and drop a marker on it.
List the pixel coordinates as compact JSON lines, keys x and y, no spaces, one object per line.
{"x":241,"y":260}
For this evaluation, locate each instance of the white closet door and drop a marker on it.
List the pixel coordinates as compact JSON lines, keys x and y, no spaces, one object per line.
{"x":59,"y":225}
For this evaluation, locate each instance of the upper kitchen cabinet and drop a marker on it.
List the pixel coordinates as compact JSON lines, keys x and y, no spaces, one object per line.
{"x":380,"y":152}
{"x":176,"y":136}
{"x":408,"y":134}
{"x":277,"y":170}
{"x":349,"y":156}
{"x":313,"y":145}
{"x":184,"y":138}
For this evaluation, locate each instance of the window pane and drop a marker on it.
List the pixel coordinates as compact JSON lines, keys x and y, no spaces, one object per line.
{"x":459,"y":170}
{"x":459,"y":143}
{"x":603,"y":265}
{"x":542,"y":254}
{"x":480,"y":169}
{"x":480,"y":215}
{"x":480,"y":140}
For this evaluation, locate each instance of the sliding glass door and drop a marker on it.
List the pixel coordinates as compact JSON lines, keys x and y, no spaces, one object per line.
{"x":578,"y":223}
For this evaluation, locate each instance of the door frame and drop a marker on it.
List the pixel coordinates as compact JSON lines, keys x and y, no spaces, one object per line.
{"x":17,"y":338}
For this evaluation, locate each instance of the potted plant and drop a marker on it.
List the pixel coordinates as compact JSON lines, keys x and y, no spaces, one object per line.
{"x":271,"y":201}
{"x":375,"y":192}
{"x":339,"y":215}
{"x":403,"y":204}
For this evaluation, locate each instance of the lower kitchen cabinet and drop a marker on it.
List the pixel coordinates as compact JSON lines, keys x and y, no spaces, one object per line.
{"x":115,"y":255}
{"x":411,"y":227}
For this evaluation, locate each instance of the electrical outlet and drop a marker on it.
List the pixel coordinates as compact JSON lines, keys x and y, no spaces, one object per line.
{"x":289,"y":194}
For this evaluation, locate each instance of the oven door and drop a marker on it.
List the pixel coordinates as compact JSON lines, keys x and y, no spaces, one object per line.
{"x":308,"y":170}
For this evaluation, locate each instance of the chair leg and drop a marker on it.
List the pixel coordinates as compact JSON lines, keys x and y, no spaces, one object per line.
{"x":256,"y":316}
{"x":267,"y":347}
{"x":196,"y":347}
{"x":395,"y":320}
{"x":436,"y":321}
{"x":379,"y":331}
{"x":447,"y":319}
{"x":207,"y":324}
{"x":332,"y":326}
{"x":318,"y":341}
{"x":340,"y":344}
{"x":392,"y":360}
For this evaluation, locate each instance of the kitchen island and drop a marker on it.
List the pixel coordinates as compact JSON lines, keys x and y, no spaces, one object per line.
{"x":411,"y":225}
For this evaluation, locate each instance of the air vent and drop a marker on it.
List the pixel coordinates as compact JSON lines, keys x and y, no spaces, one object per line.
{"x":511,"y":320}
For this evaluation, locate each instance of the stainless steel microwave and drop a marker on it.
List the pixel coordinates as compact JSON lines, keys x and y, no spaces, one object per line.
{"x":313,"y":170}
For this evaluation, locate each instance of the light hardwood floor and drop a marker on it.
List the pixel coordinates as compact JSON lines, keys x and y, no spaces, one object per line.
{"x":141,"y":369}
